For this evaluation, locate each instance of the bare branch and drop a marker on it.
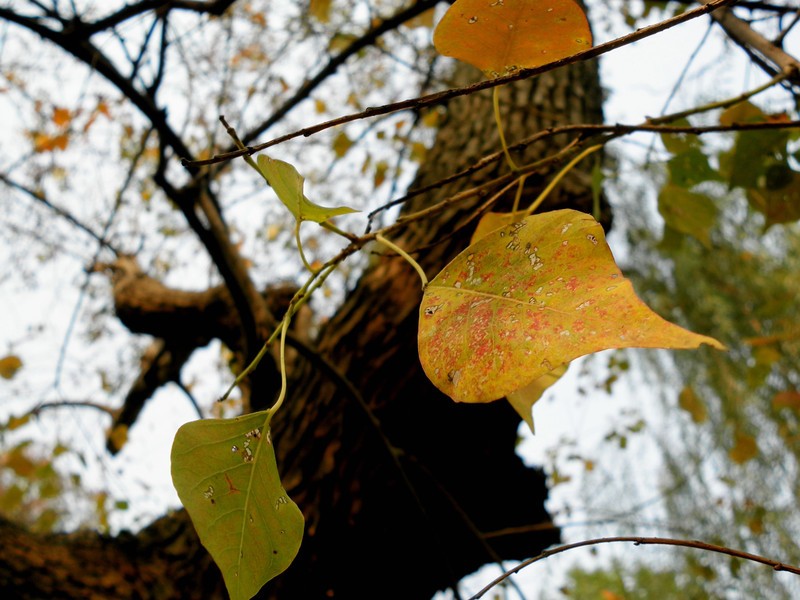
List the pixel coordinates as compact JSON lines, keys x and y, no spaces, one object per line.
{"x":364,"y":41}
{"x":750,"y":40}
{"x":643,"y":541}
{"x":69,"y":217}
{"x":446,"y":95}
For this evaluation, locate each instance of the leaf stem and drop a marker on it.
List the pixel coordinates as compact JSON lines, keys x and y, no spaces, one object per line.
{"x":300,"y":246}
{"x":406,"y":256}
{"x":284,"y":327}
{"x":499,"y":121}
{"x":546,"y":191}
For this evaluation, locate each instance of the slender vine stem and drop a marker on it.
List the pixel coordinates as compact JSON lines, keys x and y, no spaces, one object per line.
{"x":642,"y":541}
{"x":284,"y":327}
{"x":499,"y":121}
{"x":554,"y":182}
{"x":406,"y":256}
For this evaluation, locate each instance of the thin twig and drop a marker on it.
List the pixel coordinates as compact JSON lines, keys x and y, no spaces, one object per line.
{"x":441,"y":97}
{"x":642,"y":541}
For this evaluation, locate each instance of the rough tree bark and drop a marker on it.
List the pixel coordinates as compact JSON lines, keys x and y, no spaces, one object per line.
{"x":404,"y":491}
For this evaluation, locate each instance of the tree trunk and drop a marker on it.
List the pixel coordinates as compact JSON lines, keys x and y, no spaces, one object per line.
{"x":404,"y":491}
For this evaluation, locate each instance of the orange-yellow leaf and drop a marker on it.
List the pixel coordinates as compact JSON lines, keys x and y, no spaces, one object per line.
{"x":61,"y":116}
{"x":9,"y":365}
{"x":744,"y":448}
{"x":527,"y":298}
{"x":320,"y":10}
{"x":787,"y":399}
{"x":524,"y":398}
{"x":492,"y":220}
{"x":118,"y":437}
{"x":502,"y":36}
{"x":689,"y":401}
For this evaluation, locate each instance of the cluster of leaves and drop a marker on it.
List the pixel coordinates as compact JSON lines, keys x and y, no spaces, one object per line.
{"x":35,"y":492}
{"x":504,"y":318}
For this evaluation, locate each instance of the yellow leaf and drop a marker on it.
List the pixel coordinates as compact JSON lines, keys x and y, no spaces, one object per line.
{"x":61,"y":116}
{"x":342,"y":144}
{"x":424,"y":19}
{"x":491,"y":221}
{"x":9,"y":365}
{"x":17,"y":422}
{"x":503,"y":36}
{"x":524,"y":398}
{"x":118,"y":437}
{"x":745,"y":448}
{"x":320,"y":10}
{"x":691,"y":403}
{"x":528,"y":298}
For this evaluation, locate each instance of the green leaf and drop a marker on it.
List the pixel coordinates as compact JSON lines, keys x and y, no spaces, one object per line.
{"x":226,"y":476}
{"x":691,"y":167}
{"x":679,"y":142}
{"x":288,"y":185}
{"x":523,"y":399}
{"x":527,"y":298}
{"x":687,"y":212}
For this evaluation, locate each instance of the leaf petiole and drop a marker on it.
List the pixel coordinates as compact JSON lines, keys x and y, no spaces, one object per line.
{"x":406,"y":256}
{"x":499,"y":121}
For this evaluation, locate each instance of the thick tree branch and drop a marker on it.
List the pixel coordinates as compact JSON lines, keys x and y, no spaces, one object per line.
{"x":750,"y":40}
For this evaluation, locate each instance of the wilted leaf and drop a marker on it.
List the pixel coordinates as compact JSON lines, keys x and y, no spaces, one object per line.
{"x":227,"y":478}
{"x":787,"y":399}
{"x":320,"y":10}
{"x":17,"y":422}
{"x":118,"y":437}
{"x":523,"y":399}
{"x":688,"y":212}
{"x":744,"y":448}
{"x":689,"y":401}
{"x":288,"y":185}
{"x":61,"y":116}
{"x":528,"y":298}
{"x":502,"y":36}
{"x":9,"y":365}
{"x":43,"y":142}
{"x":777,"y":204}
{"x":341,"y":144}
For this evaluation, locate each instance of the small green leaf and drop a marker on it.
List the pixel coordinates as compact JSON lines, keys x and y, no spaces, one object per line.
{"x":288,"y":185}
{"x":679,"y":142}
{"x":691,"y":167}
{"x":226,"y":476}
{"x":687,"y":212}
